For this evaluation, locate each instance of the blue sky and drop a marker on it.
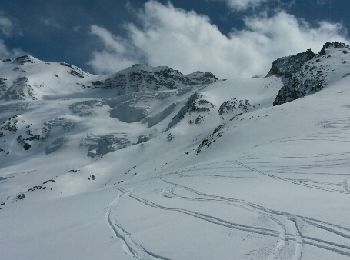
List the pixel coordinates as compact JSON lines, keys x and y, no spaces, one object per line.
{"x":107,"y":35}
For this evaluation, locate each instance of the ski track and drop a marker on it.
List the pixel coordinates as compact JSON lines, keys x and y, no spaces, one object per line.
{"x":297,"y":236}
{"x":311,"y":184}
{"x":131,"y":247}
{"x":293,"y":181}
{"x":284,"y":235}
{"x":288,"y":233}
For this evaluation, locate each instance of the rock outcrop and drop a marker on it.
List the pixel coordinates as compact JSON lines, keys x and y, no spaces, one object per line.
{"x":307,"y":73}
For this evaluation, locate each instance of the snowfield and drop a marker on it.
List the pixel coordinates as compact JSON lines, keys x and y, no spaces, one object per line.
{"x":175,"y":166}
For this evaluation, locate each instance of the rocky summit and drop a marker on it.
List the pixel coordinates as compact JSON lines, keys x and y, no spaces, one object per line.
{"x":306,"y":73}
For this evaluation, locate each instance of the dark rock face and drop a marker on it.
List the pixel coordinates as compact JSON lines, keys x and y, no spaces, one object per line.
{"x":234,"y":106}
{"x":217,"y":133}
{"x":26,"y":140}
{"x":295,"y":88}
{"x":101,"y":145}
{"x":59,"y":122}
{"x":306,"y":73}
{"x":27,"y":136}
{"x":194,"y":104}
{"x":140,"y":78}
{"x":21,"y":60}
{"x":75,"y":71}
{"x":10,"y":125}
{"x":142,"y":139}
{"x":128,"y":113}
{"x":286,"y":66}
{"x":21,"y":196}
{"x":335,"y":45}
{"x":50,"y":180}
{"x":19,"y":90}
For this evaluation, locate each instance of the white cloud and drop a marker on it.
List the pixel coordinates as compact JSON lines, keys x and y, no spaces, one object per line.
{"x":5,"y":52}
{"x":243,"y":4}
{"x":189,"y":42}
{"x":116,"y":55}
{"x":6,"y":26}
{"x":7,"y":29}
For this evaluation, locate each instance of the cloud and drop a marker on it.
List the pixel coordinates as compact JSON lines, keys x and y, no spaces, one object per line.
{"x":117,"y":54}
{"x":244,"y":5}
{"x":189,"y":42}
{"x":7,"y":30}
{"x":240,"y":5}
{"x":6,"y":52}
{"x":6,"y":26}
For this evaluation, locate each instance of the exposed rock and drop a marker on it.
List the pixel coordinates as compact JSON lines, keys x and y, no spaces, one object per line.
{"x":217,"y":133}
{"x":170,"y":137}
{"x":26,"y":140}
{"x":92,"y":177}
{"x":128,"y":112}
{"x":194,"y":104}
{"x":37,"y":187}
{"x":59,"y":122}
{"x":142,"y":139}
{"x":198,"y":120}
{"x":76,"y":73}
{"x":103,"y":144}
{"x":21,"y":60}
{"x":335,"y":45}
{"x":51,"y":180}
{"x":21,"y":196}
{"x":234,"y":106}
{"x":10,"y":125}
{"x":311,"y":72}
{"x":286,"y":66}
{"x":141,"y":78}
{"x":19,"y":90}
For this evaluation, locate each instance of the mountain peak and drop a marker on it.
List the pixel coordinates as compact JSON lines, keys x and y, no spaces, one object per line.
{"x":333,"y":45}
{"x":139,"y":78}
{"x":21,"y":60}
{"x":307,"y":73}
{"x":287,"y":65}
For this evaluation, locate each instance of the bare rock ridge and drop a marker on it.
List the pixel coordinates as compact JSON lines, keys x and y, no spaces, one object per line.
{"x":139,"y":78}
{"x":307,"y":73}
{"x":286,"y":66}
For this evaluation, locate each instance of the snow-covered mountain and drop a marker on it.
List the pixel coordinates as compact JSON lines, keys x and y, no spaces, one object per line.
{"x":148,"y":163}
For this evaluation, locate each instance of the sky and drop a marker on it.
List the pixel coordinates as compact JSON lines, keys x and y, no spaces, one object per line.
{"x":231,"y":38}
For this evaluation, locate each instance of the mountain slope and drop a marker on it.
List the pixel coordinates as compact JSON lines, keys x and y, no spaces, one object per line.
{"x":152,"y":164}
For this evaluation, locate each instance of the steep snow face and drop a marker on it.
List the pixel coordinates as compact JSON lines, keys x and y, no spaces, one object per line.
{"x":160,"y":165}
{"x":307,"y":73}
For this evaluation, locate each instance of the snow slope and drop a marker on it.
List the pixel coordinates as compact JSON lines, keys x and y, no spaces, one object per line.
{"x":174,"y":166}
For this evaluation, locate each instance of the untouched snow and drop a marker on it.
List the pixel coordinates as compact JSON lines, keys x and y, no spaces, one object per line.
{"x":256,"y":182}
